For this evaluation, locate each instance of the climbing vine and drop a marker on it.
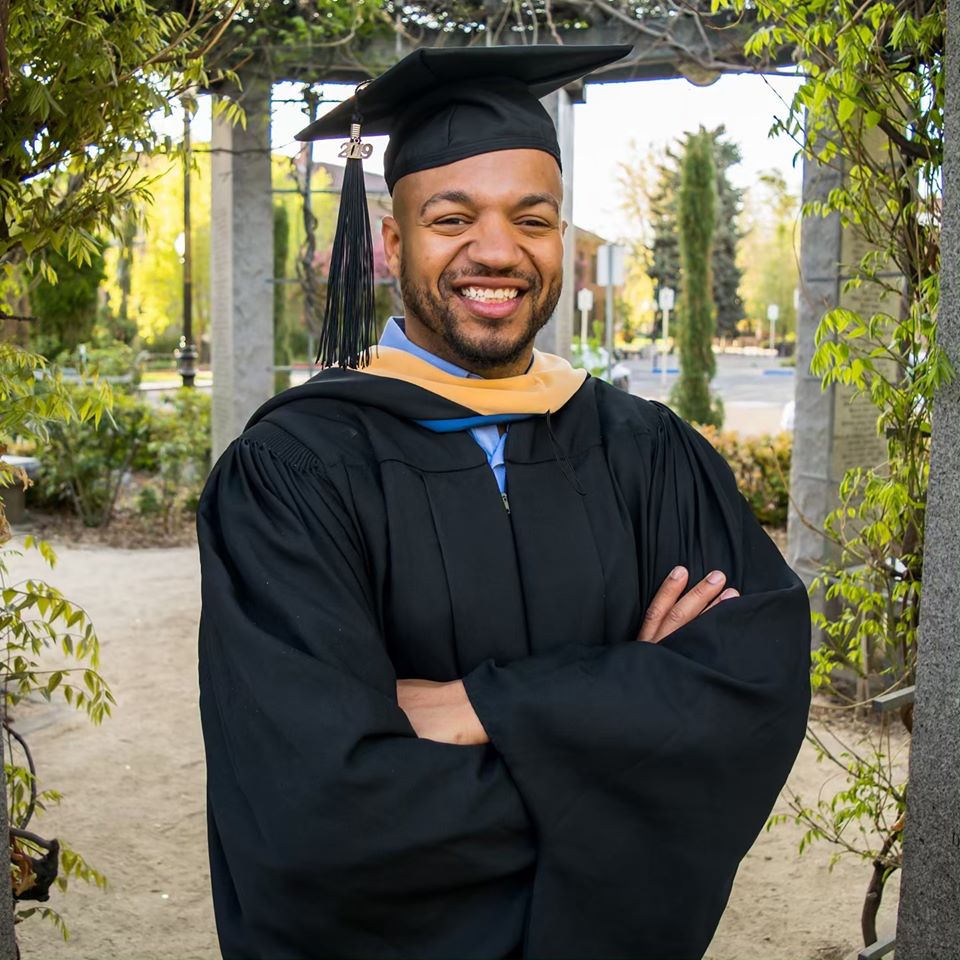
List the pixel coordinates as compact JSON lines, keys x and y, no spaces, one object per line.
{"x":871,"y":106}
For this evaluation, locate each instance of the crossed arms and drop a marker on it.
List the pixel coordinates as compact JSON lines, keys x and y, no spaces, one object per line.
{"x":442,"y":711}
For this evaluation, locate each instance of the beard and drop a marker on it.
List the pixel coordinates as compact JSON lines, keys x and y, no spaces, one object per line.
{"x":438,"y":314}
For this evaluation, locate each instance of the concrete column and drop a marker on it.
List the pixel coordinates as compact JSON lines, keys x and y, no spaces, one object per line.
{"x":928,"y":924}
{"x":557,"y":335}
{"x":810,"y":483}
{"x":832,"y":431}
{"x":241,"y":265}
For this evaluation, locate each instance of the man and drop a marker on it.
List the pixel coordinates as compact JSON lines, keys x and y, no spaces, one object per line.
{"x":495,"y":661}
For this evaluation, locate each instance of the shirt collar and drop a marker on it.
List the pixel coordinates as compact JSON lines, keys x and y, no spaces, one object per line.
{"x":395,"y":336}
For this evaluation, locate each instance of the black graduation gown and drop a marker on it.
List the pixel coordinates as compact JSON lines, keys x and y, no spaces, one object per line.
{"x":344,"y":546}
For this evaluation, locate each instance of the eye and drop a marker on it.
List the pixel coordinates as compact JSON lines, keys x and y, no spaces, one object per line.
{"x":535,"y":222}
{"x":451,"y":221}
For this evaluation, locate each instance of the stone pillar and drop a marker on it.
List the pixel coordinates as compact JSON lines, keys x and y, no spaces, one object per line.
{"x":832,"y":431}
{"x":241,"y":265}
{"x":812,"y":488}
{"x":557,"y":335}
{"x":928,"y":924}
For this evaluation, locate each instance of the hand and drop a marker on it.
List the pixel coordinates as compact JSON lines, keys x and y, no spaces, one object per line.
{"x":668,"y":611}
{"x":440,"y":711}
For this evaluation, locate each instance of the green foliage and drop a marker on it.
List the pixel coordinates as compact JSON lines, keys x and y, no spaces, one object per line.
{"x":293,"y":32}
{"x":37,"y":622}
{"x":113,"y":360}
{"x":37,"y":617}
{"x":148,"y":502}
{"x":726,"y":274}
{"x":87,"y":467}
{"x":80,"y":85}
{"x":79,"y":89}
{"x":762,"y":468}
{"x":878,"y":528}
{"x":144,"y":287}
{"x":697,"y":208}
{"x":180,"y":446}
{"x":662,"y":198}
{"x":770,"y":253}
{"x":65,"y":312}
{"x":496,"y":21}
{"x":592,"y":355}
{"x":34,"y":402}
{"x":872,"y":107}
{"x":865,"y":818}
{"x":121,"y":326}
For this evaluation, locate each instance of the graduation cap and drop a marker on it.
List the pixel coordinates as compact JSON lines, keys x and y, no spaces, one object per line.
{"x":438,"y":106}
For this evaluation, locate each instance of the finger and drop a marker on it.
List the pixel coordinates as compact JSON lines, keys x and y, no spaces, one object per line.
{"x":727,"y":594}
{"x":692,"y":603}
{"x":670,"y":591}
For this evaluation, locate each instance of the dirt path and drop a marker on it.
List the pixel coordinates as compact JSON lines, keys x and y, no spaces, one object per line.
{"x":134,"y":802}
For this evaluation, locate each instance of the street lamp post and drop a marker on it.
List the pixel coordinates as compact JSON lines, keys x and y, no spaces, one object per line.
{"x":186,"y":353}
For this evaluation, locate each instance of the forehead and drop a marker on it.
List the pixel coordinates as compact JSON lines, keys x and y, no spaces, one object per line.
{"x":500,"y":177}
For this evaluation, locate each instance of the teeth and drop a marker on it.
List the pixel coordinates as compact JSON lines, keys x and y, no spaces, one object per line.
{"x":486,"y":293}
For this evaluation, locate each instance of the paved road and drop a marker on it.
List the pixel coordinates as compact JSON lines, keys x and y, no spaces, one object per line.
{"x":739,"y":378}
{"x":754,"y":389}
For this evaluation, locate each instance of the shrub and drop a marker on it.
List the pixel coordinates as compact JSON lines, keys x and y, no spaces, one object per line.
{"x":86,"y":467}
{"x":179,"y":448}
{"x":148,"y":502}
{"x":112,"y":359}
{"x":762,"y":468}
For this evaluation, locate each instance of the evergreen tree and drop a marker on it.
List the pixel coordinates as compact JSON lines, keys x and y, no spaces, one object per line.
{"x":697,"y":209}
{"x":727,"y":275}
{"x":664,"y":249}
{"x":664,"y":257}
{"x":66,"y":311}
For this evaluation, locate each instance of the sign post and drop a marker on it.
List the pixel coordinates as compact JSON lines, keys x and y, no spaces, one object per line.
{"x":665,"y":299}
{"x":611,"y":272}
{"x":773,"y":315}
{"x":584,"y":305}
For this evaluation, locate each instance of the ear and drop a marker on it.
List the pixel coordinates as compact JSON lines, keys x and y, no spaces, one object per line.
{"x":563,"y":228}
{"x":392,"y":245}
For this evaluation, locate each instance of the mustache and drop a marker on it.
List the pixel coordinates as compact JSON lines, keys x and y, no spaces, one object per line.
{"x":450,"y":277}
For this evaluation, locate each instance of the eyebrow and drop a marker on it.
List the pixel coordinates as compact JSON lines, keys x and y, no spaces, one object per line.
{"x":535,"y":199}
{"x":458,"y":196}
{"x":446,"y":196}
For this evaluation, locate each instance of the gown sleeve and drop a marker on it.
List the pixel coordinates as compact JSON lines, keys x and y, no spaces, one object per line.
{"x":334,"y":830}
{"x":649,"y":769}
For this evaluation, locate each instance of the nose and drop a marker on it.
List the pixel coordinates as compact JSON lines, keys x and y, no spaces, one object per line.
{"x":494,"y":244}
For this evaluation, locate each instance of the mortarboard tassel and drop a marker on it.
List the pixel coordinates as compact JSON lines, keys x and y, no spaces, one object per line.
{"x":349,"y":318}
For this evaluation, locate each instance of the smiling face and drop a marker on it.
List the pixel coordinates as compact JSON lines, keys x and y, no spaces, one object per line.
{"x":478,"y":248}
